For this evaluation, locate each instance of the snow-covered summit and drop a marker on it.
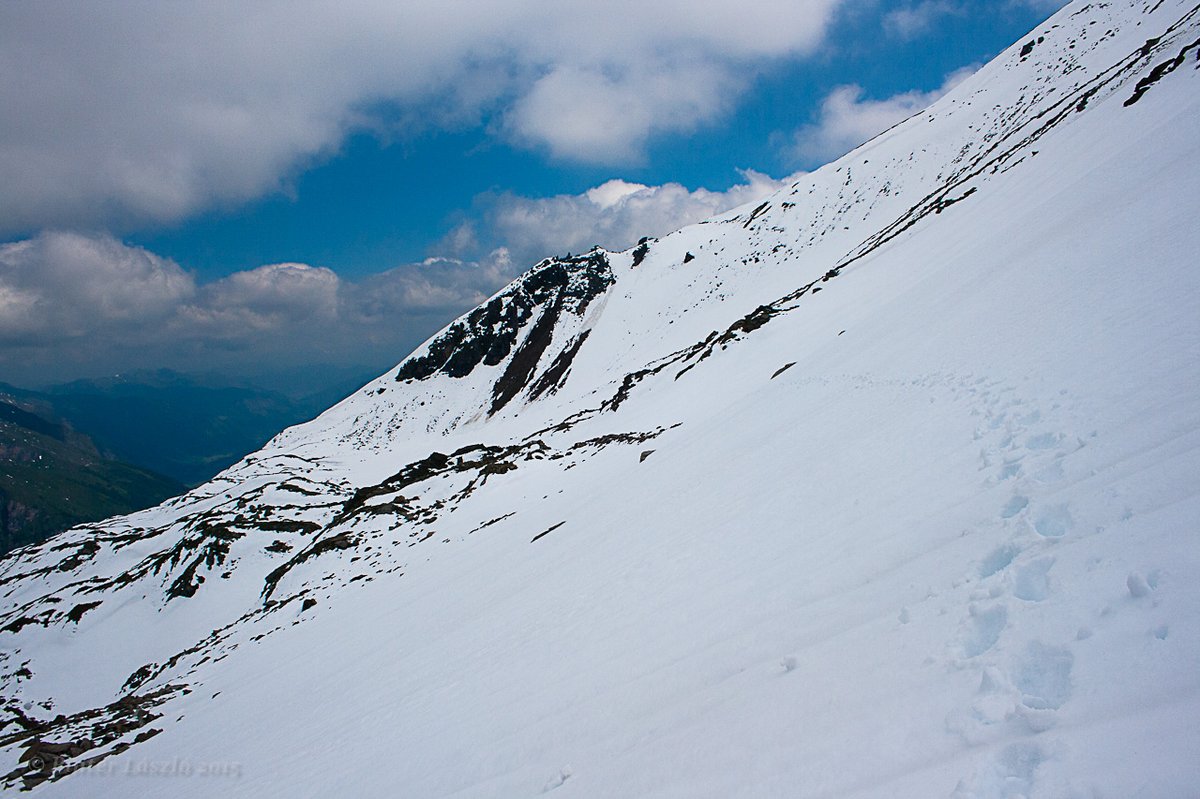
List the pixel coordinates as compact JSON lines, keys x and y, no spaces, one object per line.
{"x":885,"y":486}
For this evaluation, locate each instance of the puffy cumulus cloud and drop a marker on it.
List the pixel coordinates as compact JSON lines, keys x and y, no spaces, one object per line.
{"x":847,"y":119}
{"x":265,"y":299}
{"x":434,"y":286}
{"x":126,"y":112}
{"x":72,"y":304}
{"x":624,"y":107}
{"x":614,"y":215}
{"x":60,"y":286}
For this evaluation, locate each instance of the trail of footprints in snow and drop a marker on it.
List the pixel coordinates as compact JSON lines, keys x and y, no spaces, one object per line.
{"x":1022,"y":685}
{"x":1022,"y":688}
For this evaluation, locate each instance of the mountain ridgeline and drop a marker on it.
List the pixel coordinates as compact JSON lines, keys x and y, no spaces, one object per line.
{"x":884,"y":486}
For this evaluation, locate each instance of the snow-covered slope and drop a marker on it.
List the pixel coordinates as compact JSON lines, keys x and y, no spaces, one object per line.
{"x":885,"y":487}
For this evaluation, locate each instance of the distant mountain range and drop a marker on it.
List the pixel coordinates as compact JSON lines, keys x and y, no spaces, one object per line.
{"x":83,"y":451}
{"x":53,"y":477}
{"x":185,"y":427}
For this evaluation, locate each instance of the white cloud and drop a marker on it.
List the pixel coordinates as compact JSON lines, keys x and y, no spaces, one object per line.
{"x":914,"y":19}
{"x":614,"y":215}
{"x":265,"y":299}
{"x":910,"y":21}
{"x":59,"y":286}
{"x":612,"y":193}
{"x":622,"y":108}
{"x":847,"y":119}
{"x":436,"y":285}
{"x":73,"y":303}
{"x":122,"y":113}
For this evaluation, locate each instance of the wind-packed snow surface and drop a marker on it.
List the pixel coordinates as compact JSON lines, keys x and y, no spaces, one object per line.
{"x":886,"y":487}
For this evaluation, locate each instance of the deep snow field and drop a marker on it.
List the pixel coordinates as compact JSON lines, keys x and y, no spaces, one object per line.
{"x":892,"y":489}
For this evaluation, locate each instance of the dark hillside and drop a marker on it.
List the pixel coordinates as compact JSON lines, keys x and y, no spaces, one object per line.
{"x":52,"y":478}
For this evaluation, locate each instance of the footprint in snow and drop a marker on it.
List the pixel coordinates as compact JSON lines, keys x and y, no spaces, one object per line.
{"x":1043,"y":441}
{"x":1021,"y":701}
{"x":1010,"y":468}
{"x":1032,"y":582}
{"x":1043,"y":676}
{"x":983,"y":629}
{"x":1140,"y":585}
{"x":1053,"y":521}
{"x":1014,"y":506}
{"x":1051,"y":473}
{"x":556,"y":781}
{"x":998,"y":559}
{"x":986,"y":718}
{"x":1012,"y":773}
{"x":1017,"y":448}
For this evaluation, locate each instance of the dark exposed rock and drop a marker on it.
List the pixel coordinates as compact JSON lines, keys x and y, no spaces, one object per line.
{"x":85,"y":551}
{"x":288,"y":526}
{"x":520,"y":368}
{"x":295,"y":489}
{"x":16,"y":625}
{"x":1159,"y":71}
{"x":76,"y":613}
{"x":547,"y":532}
{"x":633,"y":378}
{"x":943,"y":204}
{"x":213,"y":549}
{"x":53,"y":748}
{"x":754,"y":214}
{"x":488,"y":334}
{"x":600,"y":442}
{"x":490,"y":522}
{"x":553,"y":378}
{"x":783,"y":369}
{"x":641,"y":251}
{"x":415,"y":472}
{"x":333,"y":542}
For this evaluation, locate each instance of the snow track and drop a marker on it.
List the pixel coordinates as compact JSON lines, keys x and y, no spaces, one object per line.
{"x":889,"y":489}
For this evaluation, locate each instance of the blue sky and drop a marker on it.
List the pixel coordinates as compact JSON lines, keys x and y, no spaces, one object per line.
{"x":203,"y":188}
